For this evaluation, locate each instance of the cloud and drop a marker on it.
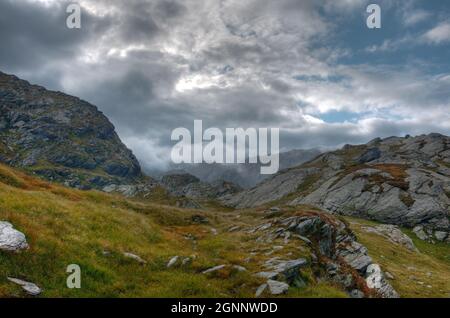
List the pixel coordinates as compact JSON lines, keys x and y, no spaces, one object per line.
{"x":413,"y":17}
{"x":439,"y":34}
{"x":154,"y":65}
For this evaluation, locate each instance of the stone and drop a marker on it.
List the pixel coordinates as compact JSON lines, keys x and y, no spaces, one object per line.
{"x":214,"y":269}
{"x":239,"y":268}
{"x":234,"y":228}
{"x":287,"y":236}
{"x":134,"y":257}
{"x":173,"y":261}
{"x":356,"y":256}
{"x":260,"y":290}
{"x":288,"y":271}
{"x":370,"y":155}
{"x":355,"y":293}
{"x":277,"y":288}
{"x":375,"y":280}
{"x":389,"y":275}
{"x":304,"y":228}
{"x":11,"y":240}
{"x":186,"y":261}
{"x":304,"y":239}
{"x":440,"y":235}
{"x":200,"y":219}
{"x":420,"y":233}
{"x":265,"y":227}
{"x":393,"y":234}
{"x":29,"y":288}
{"x":267,"y":275}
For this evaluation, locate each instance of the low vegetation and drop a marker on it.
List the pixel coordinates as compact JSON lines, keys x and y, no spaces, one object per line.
{"x":93,"y":229}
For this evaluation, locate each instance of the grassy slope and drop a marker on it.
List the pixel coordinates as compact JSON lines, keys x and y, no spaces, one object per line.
{"x":423,"y":274}
{"x":65,"y":226}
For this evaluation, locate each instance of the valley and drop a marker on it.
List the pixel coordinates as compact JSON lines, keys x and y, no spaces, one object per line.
{"x":93,"y":229}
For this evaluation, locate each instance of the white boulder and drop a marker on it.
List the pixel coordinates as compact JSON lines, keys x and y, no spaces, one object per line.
{"x":11,"y":240}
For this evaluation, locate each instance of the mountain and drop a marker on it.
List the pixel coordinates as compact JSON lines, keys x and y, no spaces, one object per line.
{"x":244,"y":175}
{"x":402,"y":181}
{"x":61,"y":138}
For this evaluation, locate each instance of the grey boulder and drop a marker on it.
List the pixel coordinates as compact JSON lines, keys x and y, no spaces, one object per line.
{"x":11,"y":240}
{"x":277,"y":288}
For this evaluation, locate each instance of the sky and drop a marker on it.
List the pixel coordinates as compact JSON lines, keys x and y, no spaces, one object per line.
{"x":311,"y":68}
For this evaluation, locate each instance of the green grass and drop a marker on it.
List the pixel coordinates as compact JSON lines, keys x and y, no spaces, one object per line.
{"x":423,"y":274}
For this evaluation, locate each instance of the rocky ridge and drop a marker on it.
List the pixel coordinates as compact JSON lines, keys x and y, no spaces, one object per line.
{"x":401,"y":181}
{"x":336,"y":255}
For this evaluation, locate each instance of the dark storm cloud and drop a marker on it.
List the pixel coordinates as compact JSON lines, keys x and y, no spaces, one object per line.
{"x":138,"y":28}
{"x":32,"y":35}
{"x":169,"y":9}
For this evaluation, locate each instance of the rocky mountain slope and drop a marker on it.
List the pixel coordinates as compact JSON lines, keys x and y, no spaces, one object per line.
{"x":132,"y":248}
{"x":189,"y":186}
{"x":402,"y":181}
{"x":61,"y":137}
{"x":243,"y":175}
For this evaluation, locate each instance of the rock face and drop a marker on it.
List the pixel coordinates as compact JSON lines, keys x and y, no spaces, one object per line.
{"x":400,"y":181}
{"x":412,"y":198}
{"x":61,"y":137}
{"x":273,"y":189}
{"x":11,"y":240}
{"x":284,"y":270}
